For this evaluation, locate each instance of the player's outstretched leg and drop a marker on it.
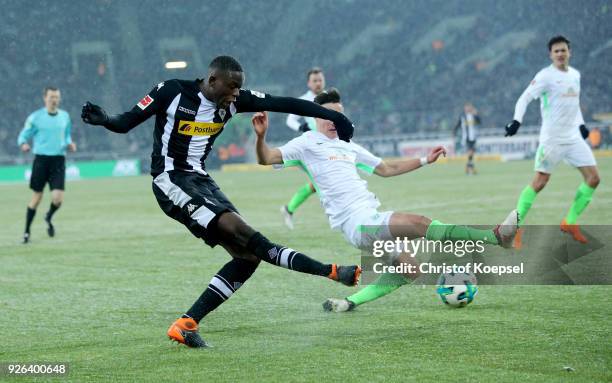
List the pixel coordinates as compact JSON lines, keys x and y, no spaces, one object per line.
{"x":385,"y":284}
{"x":414,"y":226}
{"x":221,"y":287}
{"x":234,"y":230}
{"x":298,"y":199}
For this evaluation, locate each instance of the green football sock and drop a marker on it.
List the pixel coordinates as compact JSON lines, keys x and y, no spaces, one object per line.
{"x":439,"y":231}
{"x":525,"y":201}
{"x":581,"y":200}
{"x":385,"y":284}
{"x":299,"y":197}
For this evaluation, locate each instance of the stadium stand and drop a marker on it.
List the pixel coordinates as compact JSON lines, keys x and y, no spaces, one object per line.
{"x":404,"y":71}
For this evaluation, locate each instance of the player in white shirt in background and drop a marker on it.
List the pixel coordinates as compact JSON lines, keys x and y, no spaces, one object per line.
{"x":562,"y":134}
{"x":316,"y":84}
{"x":351,"y":208}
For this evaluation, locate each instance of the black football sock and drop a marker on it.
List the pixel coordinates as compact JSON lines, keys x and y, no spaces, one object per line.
{"x":52,"y":209}
{"x":221,"y":287}
{"x":29,"y":217}
{"x":286,"y":257}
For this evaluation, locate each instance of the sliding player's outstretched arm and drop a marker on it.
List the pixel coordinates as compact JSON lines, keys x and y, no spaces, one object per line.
{"x":265,"y":154}
{"x":157,"y":99}
{"x":397,"y":167}
{"x":252,"y":101}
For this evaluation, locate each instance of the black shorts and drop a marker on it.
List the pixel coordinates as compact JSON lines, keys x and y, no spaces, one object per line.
{"x":193,"y":199}
{"x":51,"y":169}
{"x":470,"y":145}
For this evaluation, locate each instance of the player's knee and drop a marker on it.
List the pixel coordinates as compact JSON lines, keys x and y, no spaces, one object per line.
{"x":539,"y":184}
{"x":233,"y":228}
{"x":593,"y":180}
{"x":35,"y":201}
{"x":245,"y":256}
{"x":422,"y":222}
{"x":404,"y":260}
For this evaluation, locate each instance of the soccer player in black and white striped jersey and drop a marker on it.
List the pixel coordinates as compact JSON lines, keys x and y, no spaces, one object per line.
{"x":469,"y":122}
{"x":190,"y":115}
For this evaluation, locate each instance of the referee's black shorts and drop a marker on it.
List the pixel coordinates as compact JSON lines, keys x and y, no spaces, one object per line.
{"x":193,"y":199}
{"x":51,"y":169}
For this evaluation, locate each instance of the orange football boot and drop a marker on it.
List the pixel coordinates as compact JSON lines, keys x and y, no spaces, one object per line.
{"x":518,"y":239}
{"x":185,"y":331}
{"x":347,"y":275}
{"x":574,"y":231}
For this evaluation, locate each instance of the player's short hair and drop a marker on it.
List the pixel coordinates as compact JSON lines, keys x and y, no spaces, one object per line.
{"x":47,"y":89}
{"x":331,"y":95}
{"x":225,"y":63}
{"x":313,"y":70}
{"x":557,"y":40}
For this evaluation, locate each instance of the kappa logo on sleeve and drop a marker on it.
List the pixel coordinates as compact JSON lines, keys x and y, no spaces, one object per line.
{"x":145,"y":102}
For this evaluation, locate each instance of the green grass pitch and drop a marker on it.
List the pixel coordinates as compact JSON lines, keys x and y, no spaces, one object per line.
{"x":101,"y":294}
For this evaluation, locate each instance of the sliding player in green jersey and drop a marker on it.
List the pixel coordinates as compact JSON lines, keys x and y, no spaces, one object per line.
{"x":332,"y":166}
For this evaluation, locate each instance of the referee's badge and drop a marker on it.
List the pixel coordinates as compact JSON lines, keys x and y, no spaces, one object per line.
{"x":222,"y":113}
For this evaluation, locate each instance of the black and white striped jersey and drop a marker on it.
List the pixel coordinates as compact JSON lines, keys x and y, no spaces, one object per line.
{"x":186,"y":123}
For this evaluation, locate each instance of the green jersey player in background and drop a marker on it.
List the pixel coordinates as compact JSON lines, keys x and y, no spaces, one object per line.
{"x":351,"y":208}
{"x":561,"y":136}
{"x":316,"y":84}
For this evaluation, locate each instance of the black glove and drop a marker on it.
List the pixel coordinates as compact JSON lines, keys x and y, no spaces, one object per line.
{"x":93,"y":114}
{"x":304,"y":127}
{"x":584,"y":131}
{"x":344,"y":127}
{"x":512,"y":128}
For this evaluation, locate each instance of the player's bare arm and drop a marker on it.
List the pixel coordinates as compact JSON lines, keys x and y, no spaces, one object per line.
{"x":265,"y":154}
{"x":397,"y":167}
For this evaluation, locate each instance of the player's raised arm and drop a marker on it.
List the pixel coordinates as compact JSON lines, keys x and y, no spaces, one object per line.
{"x":535,"y":89}
{"x":397,"y":167}
{"x":265,"y":154}
{"x":252,"y":101}
{"x":154,"y":101}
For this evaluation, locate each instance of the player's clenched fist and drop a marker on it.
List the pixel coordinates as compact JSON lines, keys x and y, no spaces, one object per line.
{"x":512,"y":128}
{"x":93,"y":114}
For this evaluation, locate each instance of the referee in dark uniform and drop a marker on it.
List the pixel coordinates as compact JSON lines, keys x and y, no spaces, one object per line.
{"x":49,"y":130}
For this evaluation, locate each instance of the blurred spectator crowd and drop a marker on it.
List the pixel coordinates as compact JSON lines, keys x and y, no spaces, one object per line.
{"x":402,"y":67}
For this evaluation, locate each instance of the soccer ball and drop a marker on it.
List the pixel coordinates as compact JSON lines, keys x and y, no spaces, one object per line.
{"x":457,"y":289}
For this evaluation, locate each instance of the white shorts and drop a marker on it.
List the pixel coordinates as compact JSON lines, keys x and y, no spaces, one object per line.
{"x":577,"y":154}
{"x":367,"y":226}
